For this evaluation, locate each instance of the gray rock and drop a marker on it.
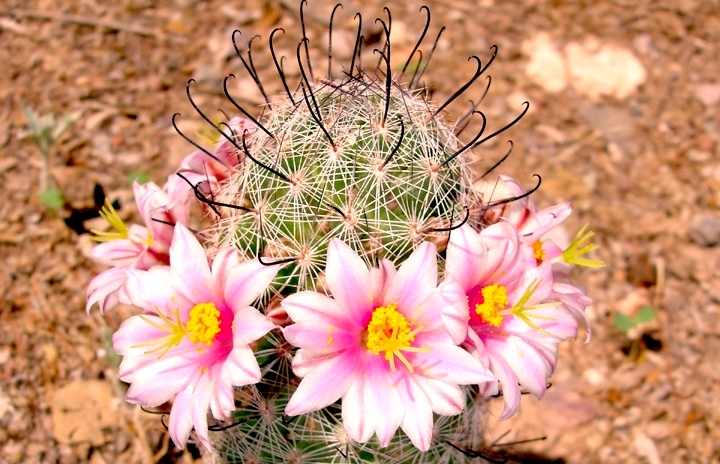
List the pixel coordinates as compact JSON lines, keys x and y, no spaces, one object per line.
{"x":705,"y":230}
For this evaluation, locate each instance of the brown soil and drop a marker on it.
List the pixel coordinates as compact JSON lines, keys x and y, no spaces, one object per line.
{"x":642,"y":167}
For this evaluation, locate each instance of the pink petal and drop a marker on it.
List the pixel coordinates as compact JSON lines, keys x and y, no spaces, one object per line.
{"x":222,"y":401}
{"x":503,"y":251}
{"x":381,"y":277}
{"x":541,"y":222}
{"x":154,"y":290}
{"x":119,"y":253}
{"x":455,"y":309}
{"x":240,"y":368}
{"x":527,"y":365}
{"x":305,"y":361}
{"x":510,"y":390}
{"x":316,"y":308}
{"x":323,"y":385}
{"x":575,"y":301}
{"x":347,"y":278}
{"x":247,"y":281}
{"x":445,"y":399}
{"x":416,"y":279}
{"x":135,"y":331}
{"x":319,"y":337}
{"x":383,"y":407}
{"x":354,"y":418}
{"x":249,"y":325}
{"x":104,"y":289}
{"x":464,"y":251}
{"x":451,"y":364}
{"x":190,"y":267}
{"x":156,"y":383}
{"x":181,"y":418}
{"x":417,"y":422}
{"x":225,"y":260}
{"x":202,"y":393}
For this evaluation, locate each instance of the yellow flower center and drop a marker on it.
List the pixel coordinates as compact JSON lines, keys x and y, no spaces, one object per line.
{"x":390,"y":332}
{"x":494,"y":300}
{"x":204,"y":323}
{"x":538,"y":252}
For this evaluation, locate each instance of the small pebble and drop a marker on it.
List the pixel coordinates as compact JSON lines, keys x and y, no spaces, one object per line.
{"x":705,"y":230}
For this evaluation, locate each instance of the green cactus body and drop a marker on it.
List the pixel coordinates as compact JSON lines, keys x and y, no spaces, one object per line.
{"x":381,"y":186}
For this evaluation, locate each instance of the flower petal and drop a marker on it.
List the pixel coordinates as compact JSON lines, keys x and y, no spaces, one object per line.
{"x":326,"y":383}
{"x":455,"y":309}
{"x":445,"y":399}
{"x":247,"y":281}
{"x":510,"y":390}
{"x":136,"y":331}
{"x":451,"y":364}
{"x":464,"y":251}
{"x":383,"y":407}
{"x":542,"y":221}
{"x":202,"y":393}
{"x":240,"y":368}
{"x":355,"y":420}
{"x":314,"y":307}
{"x":225,"y":260}
{"x":319,"y":337}
{"x":120,"y":252}
{"x":104,"y":289}
{"x":249,"y":325}
{"x":181,"y":418}
{"x":416,"y":279}
{"x":417,"y":422}
{"x":158,"y":382}
{"x":154,"y":290}
{"x":347,"y":279}
{"x":190,"y":267}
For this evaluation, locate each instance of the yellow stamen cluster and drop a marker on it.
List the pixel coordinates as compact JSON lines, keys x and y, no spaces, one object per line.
{"x":174,"y":328}
{"x":204,"y":323}
{"x":202,"y":327}
{"x":538,"y":252}
{"x":494,"y":300}
{"x":520,"y":308}
{"x":108,"y":213}
{"x":577,"y":248}
{"x":389,"y":331}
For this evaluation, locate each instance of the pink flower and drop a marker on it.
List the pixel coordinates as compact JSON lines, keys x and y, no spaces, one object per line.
{"x":382,"y":345}
{"x":515,"y":324}
{"x":193,"y":340}
{"x":208,"y":171}
{"x":134,"y":247}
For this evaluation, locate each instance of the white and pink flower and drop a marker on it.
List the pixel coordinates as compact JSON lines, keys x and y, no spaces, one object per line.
{"x":515,"y":324}
{"x":383,"y":344}
{"x":136,"y":246}
{"x":193,"y":341}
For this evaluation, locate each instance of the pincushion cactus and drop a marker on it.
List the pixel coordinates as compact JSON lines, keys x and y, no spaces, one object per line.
{"x":390,"y":291}
{"x":378,"y":172}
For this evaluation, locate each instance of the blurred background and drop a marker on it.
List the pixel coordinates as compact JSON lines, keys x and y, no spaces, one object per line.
{"x":624,"y":123}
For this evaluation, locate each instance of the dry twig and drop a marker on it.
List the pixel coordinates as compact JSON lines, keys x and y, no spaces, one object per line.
{"x":88,"y":21}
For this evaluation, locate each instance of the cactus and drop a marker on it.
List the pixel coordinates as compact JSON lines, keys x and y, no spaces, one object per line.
{"x":369,"y":161}
{"x":381,"y":183}
{"x":365,"y":159}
